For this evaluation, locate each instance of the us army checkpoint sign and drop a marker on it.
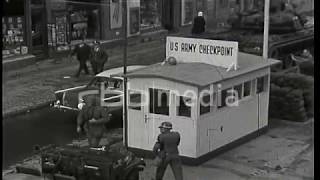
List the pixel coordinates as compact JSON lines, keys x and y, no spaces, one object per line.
{"x":214,"y":52}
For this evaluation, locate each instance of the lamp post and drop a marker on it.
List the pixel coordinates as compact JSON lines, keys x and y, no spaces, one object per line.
{"x":266,"y":29}
{"x":125,"y":113}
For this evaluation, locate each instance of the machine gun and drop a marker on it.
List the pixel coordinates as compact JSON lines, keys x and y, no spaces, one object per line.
{"x":83,"y":163}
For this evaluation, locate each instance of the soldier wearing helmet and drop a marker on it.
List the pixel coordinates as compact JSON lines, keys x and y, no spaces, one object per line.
{"x":199,"y":24}
{"x":98,"y":58}
{"x":82,"y":51}
{"x":166,"y":151}
{"x":92,"y":119}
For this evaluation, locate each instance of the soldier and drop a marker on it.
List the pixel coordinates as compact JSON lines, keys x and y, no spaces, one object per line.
{"x":92,"y":119}
{"x":166,"y":151}
{"x":98,"y":58}
{"x":82,"y":51}
{"x":199,"y":24}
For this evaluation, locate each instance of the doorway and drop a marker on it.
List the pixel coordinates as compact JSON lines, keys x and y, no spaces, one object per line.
{"x":167,"y":14}
{"x":38,"y":30}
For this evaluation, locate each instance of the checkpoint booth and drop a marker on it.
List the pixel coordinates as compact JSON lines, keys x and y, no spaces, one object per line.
{"x":213,"y":102}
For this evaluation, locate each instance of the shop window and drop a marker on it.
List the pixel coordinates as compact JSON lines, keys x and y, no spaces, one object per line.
{"x":249,"y":5}
{"x":187,"y":12}
{"x":223,"y":97}
{"x":184,"y":108}
{"x":12,"y":8}
{"x":223,"y":3}
{"x":134,"y":100}
{"x":247,"y":89}
{"x":159,"y":101}
{"x":83,"y":24}
{"x":134,"y":25}
{"x":81,"y":20}
{"x":238,"y":89}
{"x":205,"y":104}
{"x":84,"y":19}
{"x":61,"y":30}
{"x":13,"y":34}
{"x":37,"y":2}
{"x":149,"y":13}
{"x":261,"y":84}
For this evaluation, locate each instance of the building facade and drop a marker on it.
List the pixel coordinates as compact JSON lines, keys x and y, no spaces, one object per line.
{"x":47,"y":27}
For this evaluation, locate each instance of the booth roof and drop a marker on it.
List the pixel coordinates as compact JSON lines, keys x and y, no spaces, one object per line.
{"x":200,"y":74}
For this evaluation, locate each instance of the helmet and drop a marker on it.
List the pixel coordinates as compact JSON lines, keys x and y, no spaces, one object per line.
{"x":166,"y":125}
{"x":172,"y":61}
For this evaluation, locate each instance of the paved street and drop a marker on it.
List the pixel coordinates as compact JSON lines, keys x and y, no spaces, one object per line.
{"x":34,"y":85}
{"x":285,"y":152}
{"x":226,"y":70}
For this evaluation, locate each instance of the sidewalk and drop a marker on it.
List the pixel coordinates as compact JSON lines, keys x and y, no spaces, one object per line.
{"x":33,"y":86}
{"x":285,"y":152}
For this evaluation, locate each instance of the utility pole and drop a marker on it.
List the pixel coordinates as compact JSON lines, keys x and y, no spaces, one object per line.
{"x":266,"y":29}
{"x":125,"y":88}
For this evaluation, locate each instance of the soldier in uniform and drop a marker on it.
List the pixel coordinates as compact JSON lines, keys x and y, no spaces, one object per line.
{"x":98,"y":58}
{"x":92,"y":119}
{"x":199,"y":24}
{"x":82,"y":51}
{"x":166,"y":151}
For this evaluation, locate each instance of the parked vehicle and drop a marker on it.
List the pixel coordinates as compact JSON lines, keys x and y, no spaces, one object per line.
{"x":74,"y":162}
{"x":108,"y":85}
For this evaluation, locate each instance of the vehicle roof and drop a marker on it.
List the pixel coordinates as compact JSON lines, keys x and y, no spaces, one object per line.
{"x":119,"y":70}
{"x":201,"y":74}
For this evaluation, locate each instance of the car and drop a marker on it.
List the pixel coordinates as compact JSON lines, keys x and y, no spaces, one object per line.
{"x":108,"y":85}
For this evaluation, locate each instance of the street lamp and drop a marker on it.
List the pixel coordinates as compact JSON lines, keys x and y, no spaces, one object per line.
{"x":266,"y":29}
{"x":125,"y":113}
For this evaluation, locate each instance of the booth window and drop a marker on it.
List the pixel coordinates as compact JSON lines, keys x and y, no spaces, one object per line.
{"x":223,"y":98}
{"x":261,"y":85}
{"x":183,"y":109}
{"x":238,"y":89}
{"x":247,"y":89}
{"x":134,"y":100}
{"x":159,"y":101}
{"x":205,"y":104}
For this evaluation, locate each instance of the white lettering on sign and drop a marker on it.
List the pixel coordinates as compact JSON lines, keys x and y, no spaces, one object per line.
{"x":214,"y":52}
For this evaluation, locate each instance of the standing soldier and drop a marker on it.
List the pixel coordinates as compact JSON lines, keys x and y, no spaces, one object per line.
{"x":98,"y":58}
{"x":166,"y":151}
{"x":83,"y":53}
{"x":199,"y":24}
{"x":92,"y":119}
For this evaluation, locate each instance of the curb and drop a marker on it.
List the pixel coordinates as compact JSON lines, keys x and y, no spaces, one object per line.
{"x":6,"y":172}
{"x":18,"y":62}
{"x":27,"y":109}
{"x":288,"y":122}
